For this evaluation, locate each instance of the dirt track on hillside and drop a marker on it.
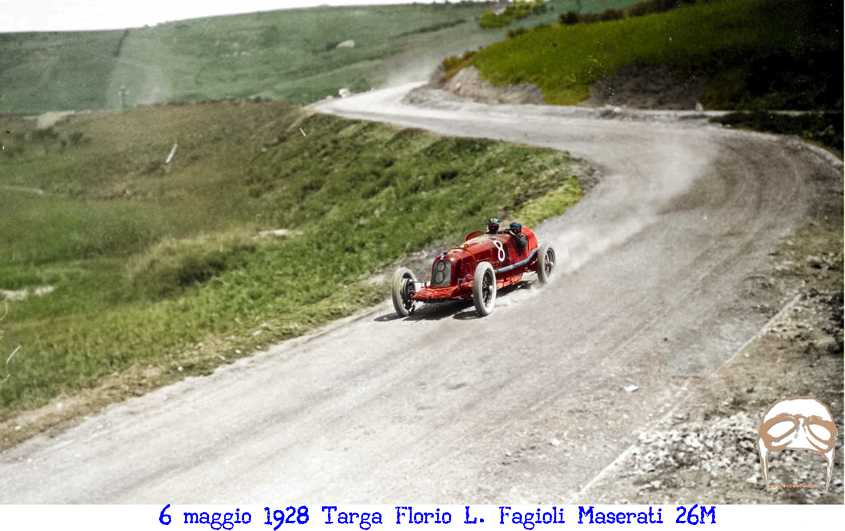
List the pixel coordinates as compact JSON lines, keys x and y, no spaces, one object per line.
{"x":529,"y":404}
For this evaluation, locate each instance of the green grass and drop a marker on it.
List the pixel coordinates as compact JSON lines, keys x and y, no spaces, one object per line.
{"x":51,"y":71}
{"x":159,"y":268}
{"x":288,"y":54}
{"x":770,"y":54}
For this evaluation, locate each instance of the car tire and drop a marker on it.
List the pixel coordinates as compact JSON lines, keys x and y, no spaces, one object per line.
{"x":546,"y":259}
{"x":402,"y":291}
{"x":484,"y":289}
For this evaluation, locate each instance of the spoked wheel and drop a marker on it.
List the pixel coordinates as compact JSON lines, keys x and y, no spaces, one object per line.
{"x":484,"y":289}
{"x":404,"y":288}
{"x":545,"y":263}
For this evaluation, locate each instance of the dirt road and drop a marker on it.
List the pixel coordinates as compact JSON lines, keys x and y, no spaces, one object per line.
{"x":529,"y":404}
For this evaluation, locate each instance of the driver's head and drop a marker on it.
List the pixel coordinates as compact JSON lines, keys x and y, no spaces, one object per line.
{"x":493,"y":225}
{"x":515,"y":227}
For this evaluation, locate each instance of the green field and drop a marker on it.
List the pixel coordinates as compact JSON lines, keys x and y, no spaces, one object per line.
{"x":159,"y":268}
{"x":290,"y":55}
{"x":51,"y":71}
{"x":769,"y":54}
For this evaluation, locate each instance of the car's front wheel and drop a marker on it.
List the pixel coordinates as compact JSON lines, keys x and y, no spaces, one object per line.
{"x":545,"y":263}
{"x":484,"y":289}
{"x":404,"y":287}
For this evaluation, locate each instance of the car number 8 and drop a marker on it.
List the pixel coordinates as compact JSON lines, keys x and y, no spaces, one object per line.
{"x":501,"y":250}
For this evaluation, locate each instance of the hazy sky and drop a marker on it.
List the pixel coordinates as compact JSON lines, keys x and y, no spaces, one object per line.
{"x":59,"y":15}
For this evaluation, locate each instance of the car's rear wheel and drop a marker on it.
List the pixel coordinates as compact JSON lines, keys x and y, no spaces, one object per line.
{"x":484,"y":289}
{"x":545,"y":263}
{"x":404,"y":287}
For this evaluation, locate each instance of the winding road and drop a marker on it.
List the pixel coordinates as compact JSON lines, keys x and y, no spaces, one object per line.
{"x":526,"y":405}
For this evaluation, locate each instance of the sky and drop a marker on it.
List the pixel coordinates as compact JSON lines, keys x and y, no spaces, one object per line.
{"x":65,"y":15}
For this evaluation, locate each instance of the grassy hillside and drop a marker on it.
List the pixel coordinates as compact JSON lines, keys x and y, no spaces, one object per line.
{"x":47,"y":71}
{"x":289,"y":54}
{"x":777,"y":54}
{"x":159,"y":269}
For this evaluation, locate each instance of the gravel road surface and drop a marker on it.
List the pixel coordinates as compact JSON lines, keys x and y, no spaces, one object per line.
{"x":527,"y":405}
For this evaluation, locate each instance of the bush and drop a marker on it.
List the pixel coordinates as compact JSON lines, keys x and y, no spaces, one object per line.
{"x":646,"y":7}
{"x":454,"y":63}
{"x":569,"y":18}
{"x":360,"y":85}
{"x":822,"y":128}
{"x":515,"y":11}
{"x":490,"y":20}
{"x":611,"y":14}
{"x":172,"y":265}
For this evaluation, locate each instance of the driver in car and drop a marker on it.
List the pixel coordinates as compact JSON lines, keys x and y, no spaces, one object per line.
{"x":515,"y":231}
{"x":493,"y":226}
{"x":520,"y":239}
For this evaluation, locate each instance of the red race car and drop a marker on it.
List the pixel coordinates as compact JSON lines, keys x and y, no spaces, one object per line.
{"x":485,"y":263}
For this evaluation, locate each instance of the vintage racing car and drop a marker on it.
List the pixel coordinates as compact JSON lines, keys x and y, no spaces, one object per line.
{"x":485,"y":263}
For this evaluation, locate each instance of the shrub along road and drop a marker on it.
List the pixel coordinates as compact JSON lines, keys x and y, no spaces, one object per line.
{"x":528,"y":404}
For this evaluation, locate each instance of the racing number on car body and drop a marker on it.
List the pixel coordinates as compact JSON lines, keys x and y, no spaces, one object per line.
{"x":440,"y":276}
{"x":501,"y":250}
